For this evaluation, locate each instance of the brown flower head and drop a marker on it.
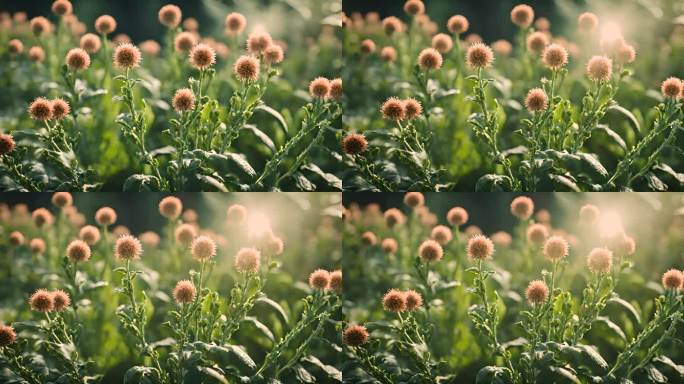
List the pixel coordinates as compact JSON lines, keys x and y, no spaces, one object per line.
{"x":7,"y":144}
{"x":336,"y":88}
{"x":441,"y":234}
{"x":430,"y":59}
{"x":62,"y":7}
{"x":247,"y":260}
{"x":41,"y":109}
{"x":413,"y":108}
{"x":170,"y":15}
{"x":394,"y":301}
{"x":105,"y":24}
{"x":40,"y":26}
{"x":16,"y":47}
{"x":36,"y":54}
{"x":60,"y":109}
{"x":367,"y":46}
{"x":185,"y":234}
{"x":274,"y":54}
{"x":90,"y":42}
{"x":672,"y":88}
{"x":105,"y":216}
{"x":536,"y":100}
{"x":42,"y":217}
{"x":522,"y":207}
{"x":246,"y":68}
{"x":600,"y":260}
{"x":127,"y":247}
{"x":61,"y":300}
{"x":537,"y":233}
{"x":587,"y":22}
{"x":388,"y":54}
{"x":170,"y":207}
{"x":537,"y":292}
{"x":392,"y":25}
{"x":480,"y":248}
{"x":414,"y":199}
{"x":555,"y":56}
{"x":9,"y":336}
{"x":184,"y":41}
{"x":368,"y":238}
{"x":16,"y":238}
{"x":236,"y":214}
{"x":413,"y":300}
{"x":184,"y":292}
{"x":430,"y":250}
{"x":502,"y":48}
{"x":522,"y":15}
{"x":235,"y":23}
{"x":77,"y":59}
{"x":78,"y":250}
{"x":393,"y":109}
{"x":90,"y":234}
{"x":183,"y":100}
{"x":537,"y":41}
{"x":203,"y":248}
{"x":458,"y":24}
{"x":355,"y":335}
{"x":202,"y":56}
{"x":414,"y":7}
{"x":319,"y":279}
{"x":457,"y":216}
{"x":37,"y":246}
{"x":600,"y":68}
{"x":442,"y":42}
{"x":393,"y":217}
{"x":127,"y":56}
{"x":673,"y":279}
{"x":589,"y":214}
{"x":336,"y":280}
{"x":42,"y":301}
{"x":479,"y":55}
{"x":320,"y":88}
{"x":150,"y":48}
{"x":354,"y":144}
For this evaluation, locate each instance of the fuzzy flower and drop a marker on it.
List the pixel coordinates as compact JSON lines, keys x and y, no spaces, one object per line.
{"x":105,"y":216}
{"x":202,"y":56}
{"x":502,"y":47}
{"x":77,"y":59}
{"x":393,"y":217}
{"x":414,"y":7}
{"x":355,"y":335}
{"x":37,"y":246}
{"x":336,"y":88}
{"x":392,"y":25}
{"x":273,"y":245}
{"x":671,"y":88}
{"x":542,"y":24}
{"x":42,"y":217}
{"x":522,"y":15}
{"x":479,"y":55}
{"x":78,"y":250}
{"x":555,"y":56}
{"x":90,"y":234}
{"x":150,"y":239}
{"x":105,"y":24}
{"x":522,"y":207}
{"x":600,"y":68}
{"x":127,"y":248}
{"x":60,"y":109}
{"x":414,"y":199}
{"x":589,"y":214}
{"x":170,"y":207}
{"x":673,"y":279}
{"x":442,"y":42}
{"x":624,"y":245}
{"x":41,"y":109}
{"x":127,"y":56}
{"x":183,"y":100}
{"x":389,"y":245}
{"x":367,"y":46}
{"x":16,"y":238}
{"x":430,"y":58}
{"x":556,"y":248}
{"x":388,"y":54}
{"x":502,"y":239}
{"x":258,"y":42}
{"x":393,"y":109}
{"x":430,"y":250}
{"x":247,"y":260}
{"x":36,"y":54}
{"x":319,"y":88}
{"x":537,"y":292}
{"x":235,"y":23}
{"x":203,"y":248}
{"x":413,"y":300}
{"x":479,"y":248}
{"x":394,"y":301}
{"x":184,"y":292}
{"x":61,"y":300}
{"x":336,"y":280}
{"x":625,"y":54}
{"x":458,"y":24}
{"x":413,"y":108}
{"x":150,"y":47}
{"x":441,"y":234}
{"x":536,"y":100}
{"x":62,"y":7}
{"x":40,"y":26}
{"x":170,"y":15}
{"x":246,"y":68}
{"x":537,"y":233}
{"x":537,"y":41}
{"x":600,"y":260}
{"x":457,"y":216}
{"x":587,"y":22}
{"x":236,"y":214}
{"x":62,"y":199}
{"x":319,"y":279}
{"x":274,"y":54}
{"x":185,"y":234}
{"x":184,"y":41}
{"x":9,"y":336}
{"x":42,"y":301}
{"x":368,"y":238}
{"x":90,"y":42}
{"x":15,"y":47}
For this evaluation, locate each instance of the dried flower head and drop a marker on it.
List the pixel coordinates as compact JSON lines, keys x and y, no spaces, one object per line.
{"x":42,"y":301}
{"x":479,"y":248}
{"x":430,"y":250}
{"x":394,"y":301}
{"x":600,"y":68}
{"x":15,"y":47}
{"x":522,"y":15}
{"x":389,"y":245}
{"x":273,"y":245}
{"x":457,"y":216}
{"x":393,"y":109}
{"x":336,"y":280}
{"x":502,"y":48}
{"x":41,"y":109}
{"x":37,"y":246}
{"x":320,"y":88}
{"x":170,"y":207}
{"x":589,"y":214}
{"x":600,"y":260}
{"x":35,"y":53}
{"x":16,"y":238}
{"x":235,"y":23}
{"x":60,"y":108}
{"x":672,"y":88}
{"x":203,"y":248}
{"x":458,"y":24}
{"x":150,"y":239}
{"x":479,"y":55}
{"x":170,"y":15}
{"x":556,"y":248}
{"x":368,"y":238}
{"x":537,"y":41}
{"x":355,"y":335}
{"x":319,"y":279}
{"x":502,"y":239}
{"x":62,"y":199}
{"x":536,"y":100}
{"x":429,"y":59}
{"x":388,"y":54}
{"x":625,"y":54}
{"x":441,"y":234}
{"x":105,"y":216}
{"x":105,"y":24}
{"x":127,"y":247}
{"x":542,"y":24}
{"x":393,"y":217}
{"x":90,"y":234}
{"x":191,"y":24}
{"x":442,"y":42}
{"x":624,"y":245}
{"x":673,"y":279}
{"x":62,"y":7}
{"x":274,"y":54}
{"x":202,"y":56}
{"x":587,"y":22}
{"x":258,"y":42}
{"x":42,"y":217}
{"x":184,"y":41}
{"x":40,"y":26}
{"x":78,"y":250}
{"x":150,"y":47}
{"x":246,"y":68}
{"x":367,"y":46}
{"x":555,"y":56}
{"x":414,"y":7}
{"x":7,"y":144}
{"x":127,"y":56}
{"x":61,"y":300}
{"x":413,"y":108}
{"x":414,"y":199}
{"x":537,"y":233}
{"x":237,"y":214}
{"x":183,"y":100}
{"x":9,"y":336}
{"x":336,"y":88}
{"x":77,"y":59}
{"x":247,"y":260}
{"x":90,"y":42}
{"x":537,"y":292}
{"x":392,"y":25}
{"x":185,"y":234}
{"x":184,"y":292}
{"x":522,"y":207}
{"x":413,"y":300}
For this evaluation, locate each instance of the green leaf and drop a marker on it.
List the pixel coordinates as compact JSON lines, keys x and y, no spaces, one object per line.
{"x":332,"y":372}
{"x":628,"y":114}
{"x":592,"y":356}
{"x":303,"y":375}
{"x":228,"y":355}
{"x":492,"y":375}
{"x":662,"y":359}
{"x":212,"y":373}
{"x":612,"y":326}
{"x":332,"y":180}
{"x":212,"y":182}
{"x":629,"y":307}
{"x":279,"y":309}
{"x":141,"y":183}
{"x":593,"y":162}
{"x":562,"y":375}
{"x":261,"y":136}
{"x":493,"y":183}
{"x":261,"y":327}
{"x":654,"y":375}
{"x":140,"y":375}
{"x":279,"y":117}
{"x":561,"y":180}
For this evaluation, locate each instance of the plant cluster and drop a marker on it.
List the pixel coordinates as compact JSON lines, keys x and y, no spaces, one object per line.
{"x":547,"y":112}
{"x":113,"y":307}
{"x":195,"y":113}
{"x":539,"y":305}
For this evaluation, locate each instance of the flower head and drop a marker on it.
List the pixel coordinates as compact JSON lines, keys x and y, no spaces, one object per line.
{"x":150,"y":239}
{"x":413,"y":300}
{"x":392,"y":25}
{"x":414,"y":199}
{"x":414,"y":7}
{"x":441,"y":234}
{"x":430,"y":58}
{"x":274,"y":54}
{"x":127,"y":247}
{"x":246,"y":68}
{"x":480,"y":248}
{"x":479,"y":55}
{"x":319,"y":279}
{"x":36,"y":54}
{"x":319,"y":88}
{"x":184,"y":292}
{"x":389,"y":245}
{"x":77,"y":59}
{"x":61,"y":300}
{"x":37,"y":246}
{"x":105,"y":216}
{"x":237,"y":214}
{"x":442,"y":42}
{"x":522,"y":207}
{"x":600,"y":68}
{"x":555,"y":56}
{"x":430,"y":250}
{"x":388,"y":54}
{"x":127,"y":56}
{"x":625,"y":54}
{"x":336,"y":88}
{"x":40,"y":26}
{"x":203,"y":248}
{"x":41,"y":109}
{"x":170,"y":15}
{"x":16,"y":47}
{"x":537,"y":233}
{"x":90,"y":42}
{"x":16,"y":238}
{"x":368,"y":238}
{"x":62,"y":7}
{"x":536,"y":100}
{"x":537,"y":41}
{"x":183,"y":100}
{"x":393,"y":109}
{"x":185,"y":234}
{"x":522,"y":15}
{"x":457,"y":216}
{"x":7,"y":144}
{"x":150,"y":47}
{"x":78,"y":250}
{"x":624,"y":245}
{"x":673,"y":279}
{"x":672,"y":88}
{"x":170,"y":207}
{"x":42,"y":301}
{"x":247,"y":260}
{"x":355,"y":335}
{"x":587,"y":22}
{"x":367,"y":46}
{"x":394,"y":301}
{"x":202,"y":56}
{"x":258,"y":42}
{"x":90,"y":234}
{"x":502,"y":239}
{"x":42,"y":217}
{"x":556,"y":248}
{"x":105,"y":24}
{"x":600,"y":260}
{"x":235,"y":23}
{"x":537,"y":292}
{"x":393,"y":217}
{"x":336,"y":280}
{"x":502,"y":47}
{"x":9,"y":336}
{"x":458,"y":24}
{"x":184,"y":41}
{"x":60,"y":109}
{"x":589,"y":214}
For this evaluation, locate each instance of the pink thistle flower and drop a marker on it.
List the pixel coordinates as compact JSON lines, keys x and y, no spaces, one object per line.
{"x":441,"y":234}
{"x":537,"y":292}
{"x":246,"y":68}
{"x":170,"y":207}
{"x":105,"y":24}
{"x":479,"y":248}
{"x":479,"y":55}
{"x":90,"y":42}
{"x":247,"y":260}
{"x":184,"y":292}
{"x":394,"y":301}
{"x":42,"y":301}
{"x":105,"y":216}
{"x":78,"y":250}
{"x":127,"y":56}
{"x":41,"y":109}
{"x":185,"y":234}
{"x":413,"y":300}
{"x":61,"y":300}
{"x":60,"y":109}
{"x":458,"y":24}
{"x":430,"y":250}
{"x":393,"y":109}
{"x":77,"y":59}
{"x":673,"y":279}
{"x":389,"y":245}
{"x":183,"y":100}
{"x":536,"y":100}
{"x":319,"y":279}
{"x":600,"y":68}
{"x":556,"y":248}
{"x":235,"y":23}
{"x":393,"y":217}
{"x":522,"y":15}
{"x":430,"y":58}
{"x":355,"y":335}
{"x":457,"y":216}
{"x":184,"y":41}
{"x":62,"y":199}
{"x":203,"y":248}
{"x":202,"y":56}
{"x":600,"y":260}
{"x":170,"y":15}
{"x":522,"y":207}
{"x":127,"y":248}
{"x":319,"y":88}
{"x":90,"y":234}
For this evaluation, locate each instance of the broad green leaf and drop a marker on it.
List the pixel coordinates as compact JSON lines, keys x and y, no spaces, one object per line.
{"x":141,"y":183}
{"x":274,"y":113}
{"x":303,"y":375}
{"x":279,"y":309}
{"x":492,"y":375}
{"x":562,"y":375}
{"x":261,"y":136}
{"x":212,"y":373}
{"x":140,"y":375}
{"x":261,"y":327}
{"x":629,"y":307}
{"x":332,"y":372}
{"x":493,"y":183}
{"x":612,"y":326}
{"x":628,"y":114}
